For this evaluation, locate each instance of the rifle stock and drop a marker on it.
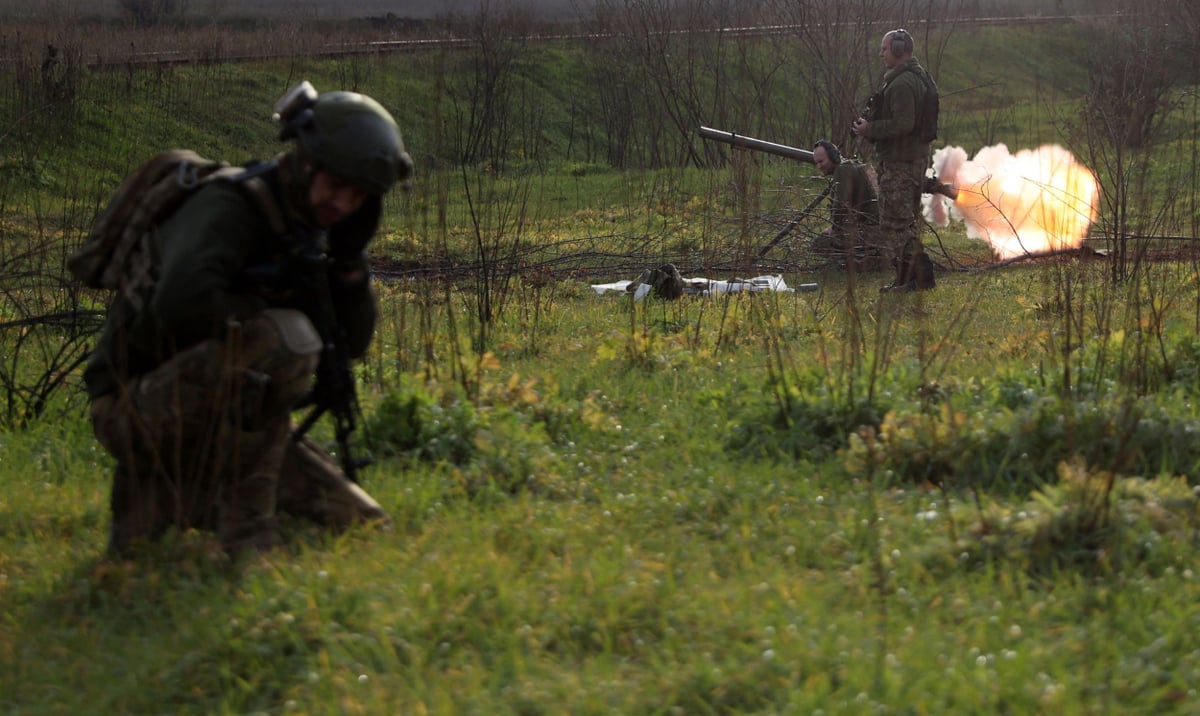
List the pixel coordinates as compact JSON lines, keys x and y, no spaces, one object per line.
{"x":743,"y":142}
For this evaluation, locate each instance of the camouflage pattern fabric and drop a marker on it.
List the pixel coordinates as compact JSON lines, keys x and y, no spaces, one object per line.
{"x":900,"y":184}
{"x":204,"y":441}
{"x":111,"y":256}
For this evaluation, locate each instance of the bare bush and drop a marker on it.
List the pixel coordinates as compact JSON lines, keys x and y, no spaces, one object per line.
{"x":486,"y":98}
{"x":1131,"y":71}
{"x":45,"y":329}
{"x":1134,"y":86}
{"x":663,"y":69}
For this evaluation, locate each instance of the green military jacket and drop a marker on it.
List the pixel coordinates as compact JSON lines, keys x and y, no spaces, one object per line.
{"x":854,"y":199}
{"x":897,"y":109}
{"x":205,"y":256}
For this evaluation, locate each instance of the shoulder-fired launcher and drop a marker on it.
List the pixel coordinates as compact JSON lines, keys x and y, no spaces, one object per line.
{"x":758,"y":145}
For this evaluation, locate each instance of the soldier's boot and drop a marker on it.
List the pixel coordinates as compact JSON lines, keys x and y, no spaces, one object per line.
{"x":138,"y":517}
{"x":313,"y":486}
{"x":903,"y":282}
{"x":922,"y":270}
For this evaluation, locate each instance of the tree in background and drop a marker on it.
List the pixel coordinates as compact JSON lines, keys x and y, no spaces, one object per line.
{"x":151,"y":13}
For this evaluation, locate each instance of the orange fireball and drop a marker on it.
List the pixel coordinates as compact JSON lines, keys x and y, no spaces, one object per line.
{"x":1033,"y":201}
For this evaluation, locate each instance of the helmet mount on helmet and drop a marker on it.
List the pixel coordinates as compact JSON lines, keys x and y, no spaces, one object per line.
{"x":346,"y":134}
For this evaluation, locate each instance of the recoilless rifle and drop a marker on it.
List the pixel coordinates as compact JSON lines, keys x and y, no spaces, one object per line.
{"x":741,"y":141}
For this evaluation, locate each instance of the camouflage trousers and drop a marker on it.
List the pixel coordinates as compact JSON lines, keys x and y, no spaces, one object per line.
{"x":204,"y":441}
{"x":900,"y":184}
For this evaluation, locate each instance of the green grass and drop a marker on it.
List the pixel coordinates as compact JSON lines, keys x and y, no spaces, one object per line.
{"x":647,"y":566}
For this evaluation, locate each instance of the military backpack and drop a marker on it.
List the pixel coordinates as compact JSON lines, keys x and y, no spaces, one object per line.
{"x":927,"y":122}
{"x":113,"y":257}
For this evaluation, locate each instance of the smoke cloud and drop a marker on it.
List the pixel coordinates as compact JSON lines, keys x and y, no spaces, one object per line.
{"x":1033,"y":201}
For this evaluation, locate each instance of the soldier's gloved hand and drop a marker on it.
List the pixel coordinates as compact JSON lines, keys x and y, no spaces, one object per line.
{"x":348,"y":238}
{"x":348,"y":241}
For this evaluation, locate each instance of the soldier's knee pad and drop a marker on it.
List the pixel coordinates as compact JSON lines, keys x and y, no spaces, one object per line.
{"x":283,"y":345}
{"x":296,"y":333}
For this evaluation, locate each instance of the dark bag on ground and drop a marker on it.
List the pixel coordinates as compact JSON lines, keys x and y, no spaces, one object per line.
{"x":664,"y":281}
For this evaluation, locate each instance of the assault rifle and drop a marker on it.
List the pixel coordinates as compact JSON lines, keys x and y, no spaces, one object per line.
{"x":335,"y":391}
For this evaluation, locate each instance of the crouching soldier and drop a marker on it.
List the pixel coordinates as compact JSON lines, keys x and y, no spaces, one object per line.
{"x":218,"y":336}
{"x":853,"y":208}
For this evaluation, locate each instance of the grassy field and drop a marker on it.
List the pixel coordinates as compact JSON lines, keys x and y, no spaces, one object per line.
{"x":975,"y":500}
{"x":624,"y":520}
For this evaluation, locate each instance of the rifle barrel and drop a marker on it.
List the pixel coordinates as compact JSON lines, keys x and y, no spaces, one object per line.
{"x":758,"y":145}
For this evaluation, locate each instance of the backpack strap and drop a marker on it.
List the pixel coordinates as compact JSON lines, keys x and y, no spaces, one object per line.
{"x":261,"y":192}
{"x":251,"y":179}
{"x":138,"y":272}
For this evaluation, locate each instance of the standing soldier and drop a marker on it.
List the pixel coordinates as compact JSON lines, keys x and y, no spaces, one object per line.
{"x":894,"y":127}
{"x":197,"y":370}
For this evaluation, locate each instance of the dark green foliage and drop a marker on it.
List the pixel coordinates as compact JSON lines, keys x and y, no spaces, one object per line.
{"x":811,"y":428}
{"x":1184,"y":363}
{"x":1086,"y":523}
{"x":497,"y":448}
{"x":1020,"y":449}
{"x":412,"y":421}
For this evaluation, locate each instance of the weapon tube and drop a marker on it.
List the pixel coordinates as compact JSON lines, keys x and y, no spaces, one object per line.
{"x":758,"y":145}
{"x":931,"y":186}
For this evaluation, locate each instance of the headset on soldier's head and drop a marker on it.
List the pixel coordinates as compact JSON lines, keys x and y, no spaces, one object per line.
{"x":295,"y":109}
{"x":902,"y":42}
{"x":831,"y":150}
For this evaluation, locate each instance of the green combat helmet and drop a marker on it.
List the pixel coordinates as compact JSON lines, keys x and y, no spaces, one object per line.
{"x":346,"y":134}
